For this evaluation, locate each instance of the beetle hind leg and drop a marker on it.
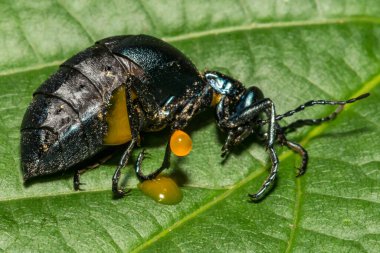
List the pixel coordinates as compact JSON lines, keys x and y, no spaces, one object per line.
{"x":76,"y":180}
{"x":117,"y":191}
{"x":135,"y":123}
{"x":79,"y":172}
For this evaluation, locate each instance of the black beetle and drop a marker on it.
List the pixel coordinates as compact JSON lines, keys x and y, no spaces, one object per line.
{"x":72,"y":115}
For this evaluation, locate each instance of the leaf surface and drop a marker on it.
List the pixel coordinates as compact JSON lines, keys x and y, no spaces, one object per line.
{"x":293,"y":50}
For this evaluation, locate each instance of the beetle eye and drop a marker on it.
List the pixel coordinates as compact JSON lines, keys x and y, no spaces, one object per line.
{"x":245,"y":101}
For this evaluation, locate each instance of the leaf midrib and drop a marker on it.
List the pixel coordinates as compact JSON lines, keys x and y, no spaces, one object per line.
{"x":224,"y":30}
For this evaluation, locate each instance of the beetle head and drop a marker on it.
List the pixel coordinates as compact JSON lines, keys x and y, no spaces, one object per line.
{"x":223,"y":84}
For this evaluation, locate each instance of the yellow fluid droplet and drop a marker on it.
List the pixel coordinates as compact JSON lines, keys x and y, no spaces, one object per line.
{"x":162,"y":189}
{"x":180,"y":143}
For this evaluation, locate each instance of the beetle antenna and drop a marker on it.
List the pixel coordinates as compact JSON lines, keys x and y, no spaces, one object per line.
{"x":319,"y":102}
{"x":312,"y":103}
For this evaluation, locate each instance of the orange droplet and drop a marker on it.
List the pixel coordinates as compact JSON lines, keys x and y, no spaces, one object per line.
{"x":180,"y":143}
{"x":162,"y":189}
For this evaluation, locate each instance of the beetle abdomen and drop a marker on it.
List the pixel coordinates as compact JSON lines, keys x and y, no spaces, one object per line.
{"x":65,"y":123}
{"x":58,"y":127}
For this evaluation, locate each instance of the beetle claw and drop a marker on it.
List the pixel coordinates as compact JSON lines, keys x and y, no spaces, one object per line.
{"x":300,"y":172}
{"x":253,"y":197}
{"x":144,"y":154}
{"x":79,"y":188}
{"x":120,"y":193}
{"x":224,"y":153}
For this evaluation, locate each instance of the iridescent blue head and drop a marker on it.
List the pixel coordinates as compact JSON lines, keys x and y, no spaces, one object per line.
{"x":223,"y":84}
{"x":231,"y":98}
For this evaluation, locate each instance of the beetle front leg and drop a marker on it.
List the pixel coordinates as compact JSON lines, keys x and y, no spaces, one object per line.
{"x":235,"y":137}
{"x":302,"y":152}
{"x":268,"y":108}
{"x":249,"y":114}
{"x":246,"y":116}
{"x":268,"y":183}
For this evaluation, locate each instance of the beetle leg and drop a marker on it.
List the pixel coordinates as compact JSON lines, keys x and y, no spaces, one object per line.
{"x":245,"y":116}
{"x":79,"y":172}
{"x":249,"y":113}
{"x":296,"y":147}
{"x":120,"y":192}
{"x":181,"y":120}
{"x":235,"y":137}
{"x":223,"y":112}
{"x":194,"y":106}
{"x":266,"y":106}
{"x":135,"y":123}
{"x":76,"y":180}
{"x":165,"y":165}
{"x":303,"y":153}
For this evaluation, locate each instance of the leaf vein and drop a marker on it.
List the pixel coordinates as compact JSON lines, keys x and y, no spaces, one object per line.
{"x":48,"y":205}
{"x":369,"y":201}
{"x":194,"y":35}
{"x":335,"y":237}
{"x":76,"y":19}
{"x":23,"y":33}
{"x":147,"y":13}
{"x":317,"y":131}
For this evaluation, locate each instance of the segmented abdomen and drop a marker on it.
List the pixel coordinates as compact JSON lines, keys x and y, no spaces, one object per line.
{"x":65,"y":122}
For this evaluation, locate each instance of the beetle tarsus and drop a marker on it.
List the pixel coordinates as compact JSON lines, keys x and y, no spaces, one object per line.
{"x":76,"y":180}
{"x":269,"y":182}
{"x":296,"y":147}
{"x":117,"y":191}
{"x":302,"y":152}
{"x":138,"y":167}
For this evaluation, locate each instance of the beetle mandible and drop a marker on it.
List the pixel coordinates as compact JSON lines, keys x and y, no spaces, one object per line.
{"x":73,"y":115}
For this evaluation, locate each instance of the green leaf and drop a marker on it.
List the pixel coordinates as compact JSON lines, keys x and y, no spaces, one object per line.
{"x":294,"y":50}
